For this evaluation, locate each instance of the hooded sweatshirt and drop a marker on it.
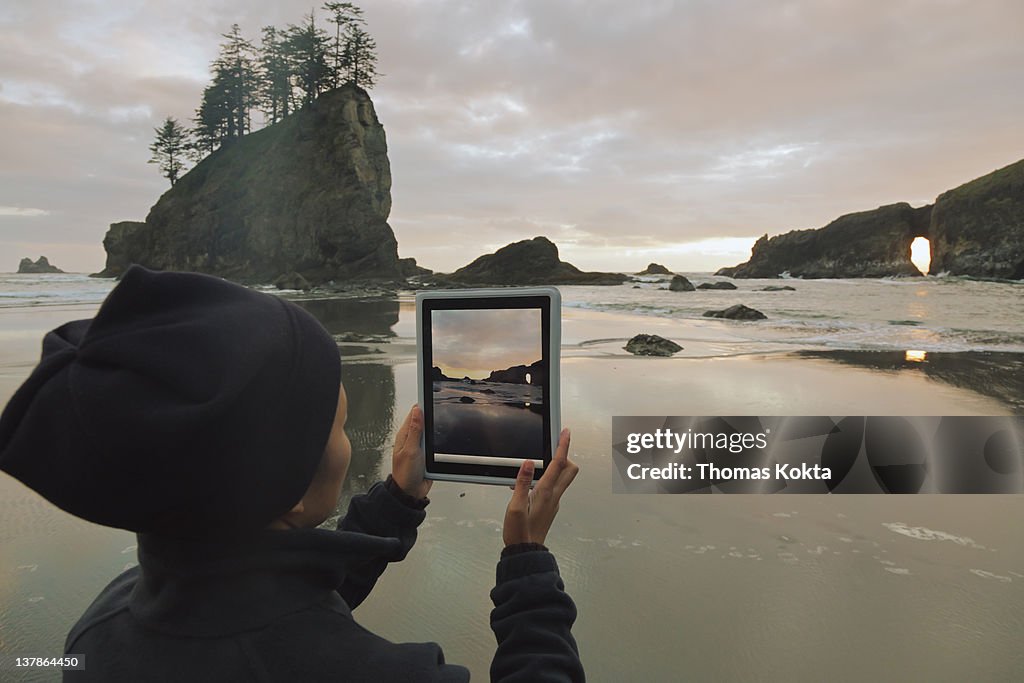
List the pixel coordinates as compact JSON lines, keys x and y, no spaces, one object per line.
{"x":277,"y":606}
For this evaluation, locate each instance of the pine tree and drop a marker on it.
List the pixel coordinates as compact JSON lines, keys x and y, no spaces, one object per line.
{"x":170,"y":148}
{"x":306,"y":49}
{"x":275,"y":86}
{"x":360,"y":57}
{"x":235,"y":77}
{"x":211,"y":121}
{"x":343,"y":16}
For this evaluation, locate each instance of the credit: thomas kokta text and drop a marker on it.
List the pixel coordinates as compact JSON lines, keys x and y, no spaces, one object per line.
{"x":704,"y":471}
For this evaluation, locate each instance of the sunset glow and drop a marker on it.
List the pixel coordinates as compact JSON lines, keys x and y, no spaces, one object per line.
{"x":921,"y":254}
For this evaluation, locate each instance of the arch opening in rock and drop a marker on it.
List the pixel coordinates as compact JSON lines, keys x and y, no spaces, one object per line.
{"x":921,"y":254}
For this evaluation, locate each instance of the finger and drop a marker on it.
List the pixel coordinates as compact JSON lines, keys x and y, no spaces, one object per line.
{"x":521,"y":494}
{"x":562,"y":450}
{"x":565,"y":477}
{"x":557,"y":463}
{"x":403,"y":431}
{"x":414,"y":430}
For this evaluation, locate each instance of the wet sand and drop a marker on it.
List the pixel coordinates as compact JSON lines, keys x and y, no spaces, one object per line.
{"x":668,"y":587}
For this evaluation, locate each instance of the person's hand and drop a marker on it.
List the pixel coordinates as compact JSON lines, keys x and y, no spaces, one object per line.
{"x":407,"y":466}
{"x":530,"y":513}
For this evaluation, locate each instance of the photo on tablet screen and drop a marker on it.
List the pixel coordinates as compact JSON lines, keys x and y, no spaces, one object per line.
{"x":488,"y":376}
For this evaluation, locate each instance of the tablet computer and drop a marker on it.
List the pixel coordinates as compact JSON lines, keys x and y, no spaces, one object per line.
{"x":488,"y":362}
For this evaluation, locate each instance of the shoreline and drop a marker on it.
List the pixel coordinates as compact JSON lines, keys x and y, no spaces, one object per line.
{"x":618,"y":550}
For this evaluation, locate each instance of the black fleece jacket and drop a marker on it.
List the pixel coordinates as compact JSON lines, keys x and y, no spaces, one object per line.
{"x":277,"y":606}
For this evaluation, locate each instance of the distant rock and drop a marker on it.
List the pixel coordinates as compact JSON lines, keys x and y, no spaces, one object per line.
{"x":437,"y":376}
{"x":777,"y":288}
{"x":651,"y":345}
{"x":529,"y":262}
{"x":487,"y":391}
{"x":974,"y":230}
{"x":517,"y":374}
{"x":292,"y":280}
{"x":408,"y":268}
{"x":42,"y":265}
{"x":466,"y":399}
{"x":681,"y":284}
{"x":309,"y":194}
{"x":655,"y":269}
{"x":866,"y":244}
{"x":737,"y":312}
{"x":716,"y":285}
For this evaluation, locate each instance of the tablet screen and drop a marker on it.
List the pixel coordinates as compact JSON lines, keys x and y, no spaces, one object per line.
{"x":486,"y":384}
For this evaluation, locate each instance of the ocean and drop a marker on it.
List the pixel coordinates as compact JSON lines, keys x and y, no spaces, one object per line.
{"x":705,"y":588}
{"x":929,"y":314}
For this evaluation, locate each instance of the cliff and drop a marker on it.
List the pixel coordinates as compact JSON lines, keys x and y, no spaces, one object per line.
{"x":310,"y":194}
{"x":529,"y":262}
{"x":976,"y":229}
{"x":865,"y":244}
{"x":517,"y":374}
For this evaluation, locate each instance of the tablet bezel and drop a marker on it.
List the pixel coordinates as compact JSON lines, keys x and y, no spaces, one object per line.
{"x":549,"y":301}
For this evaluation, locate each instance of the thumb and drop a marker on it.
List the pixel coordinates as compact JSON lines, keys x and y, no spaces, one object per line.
{"x":521,"y":495}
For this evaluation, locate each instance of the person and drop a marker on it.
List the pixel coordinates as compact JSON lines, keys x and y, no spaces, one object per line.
{"x":209,"y":418}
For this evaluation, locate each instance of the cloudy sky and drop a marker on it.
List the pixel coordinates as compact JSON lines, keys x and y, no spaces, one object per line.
{"x":627,"y":132}
{"x":472,"y":343}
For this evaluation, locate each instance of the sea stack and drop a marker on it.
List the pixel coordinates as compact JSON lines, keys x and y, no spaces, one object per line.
{"x":40,"y":265}
{"x":308,"y":195}
{"x":528,"y":262}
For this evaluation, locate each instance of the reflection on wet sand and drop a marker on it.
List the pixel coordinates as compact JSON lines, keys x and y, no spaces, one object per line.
{"x":370,"y":386}
{"x":371,"y":412}
{"x":362,"y":316}
{"x":999,"y":375}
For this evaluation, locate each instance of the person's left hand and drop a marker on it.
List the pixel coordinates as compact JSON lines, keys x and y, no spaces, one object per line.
{"x":407,"y":462}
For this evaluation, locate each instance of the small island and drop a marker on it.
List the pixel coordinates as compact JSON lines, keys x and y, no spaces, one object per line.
{"x":41,"y":265}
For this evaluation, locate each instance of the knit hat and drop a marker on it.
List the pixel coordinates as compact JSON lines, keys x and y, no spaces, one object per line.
{"x":188,"y":406}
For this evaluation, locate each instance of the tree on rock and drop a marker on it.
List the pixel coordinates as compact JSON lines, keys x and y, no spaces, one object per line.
{"x":170,"y":148}
{"x":223,"y":113}
{"x":306,"y":49}
{"x":275,"y":85}
{"x":343,"y":15}
{"x":235,"y":73}
{"x":360,"y":57}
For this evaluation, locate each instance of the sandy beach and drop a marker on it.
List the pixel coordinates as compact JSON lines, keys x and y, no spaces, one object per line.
{"x":848,"y":588}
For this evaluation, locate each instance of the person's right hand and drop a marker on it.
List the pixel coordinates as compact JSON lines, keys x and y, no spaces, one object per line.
{"x":530,"y":513}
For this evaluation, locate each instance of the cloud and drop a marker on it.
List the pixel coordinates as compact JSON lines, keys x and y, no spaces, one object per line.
{"x":607,"y":124}
{"x":473,"y":343}
{"x":22,"y":211}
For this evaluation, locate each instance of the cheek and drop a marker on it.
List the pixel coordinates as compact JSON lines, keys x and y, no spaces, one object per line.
{"x":345,"y":456}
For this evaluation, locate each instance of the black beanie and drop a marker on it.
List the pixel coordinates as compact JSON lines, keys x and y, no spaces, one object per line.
{"x":188,"y":406}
